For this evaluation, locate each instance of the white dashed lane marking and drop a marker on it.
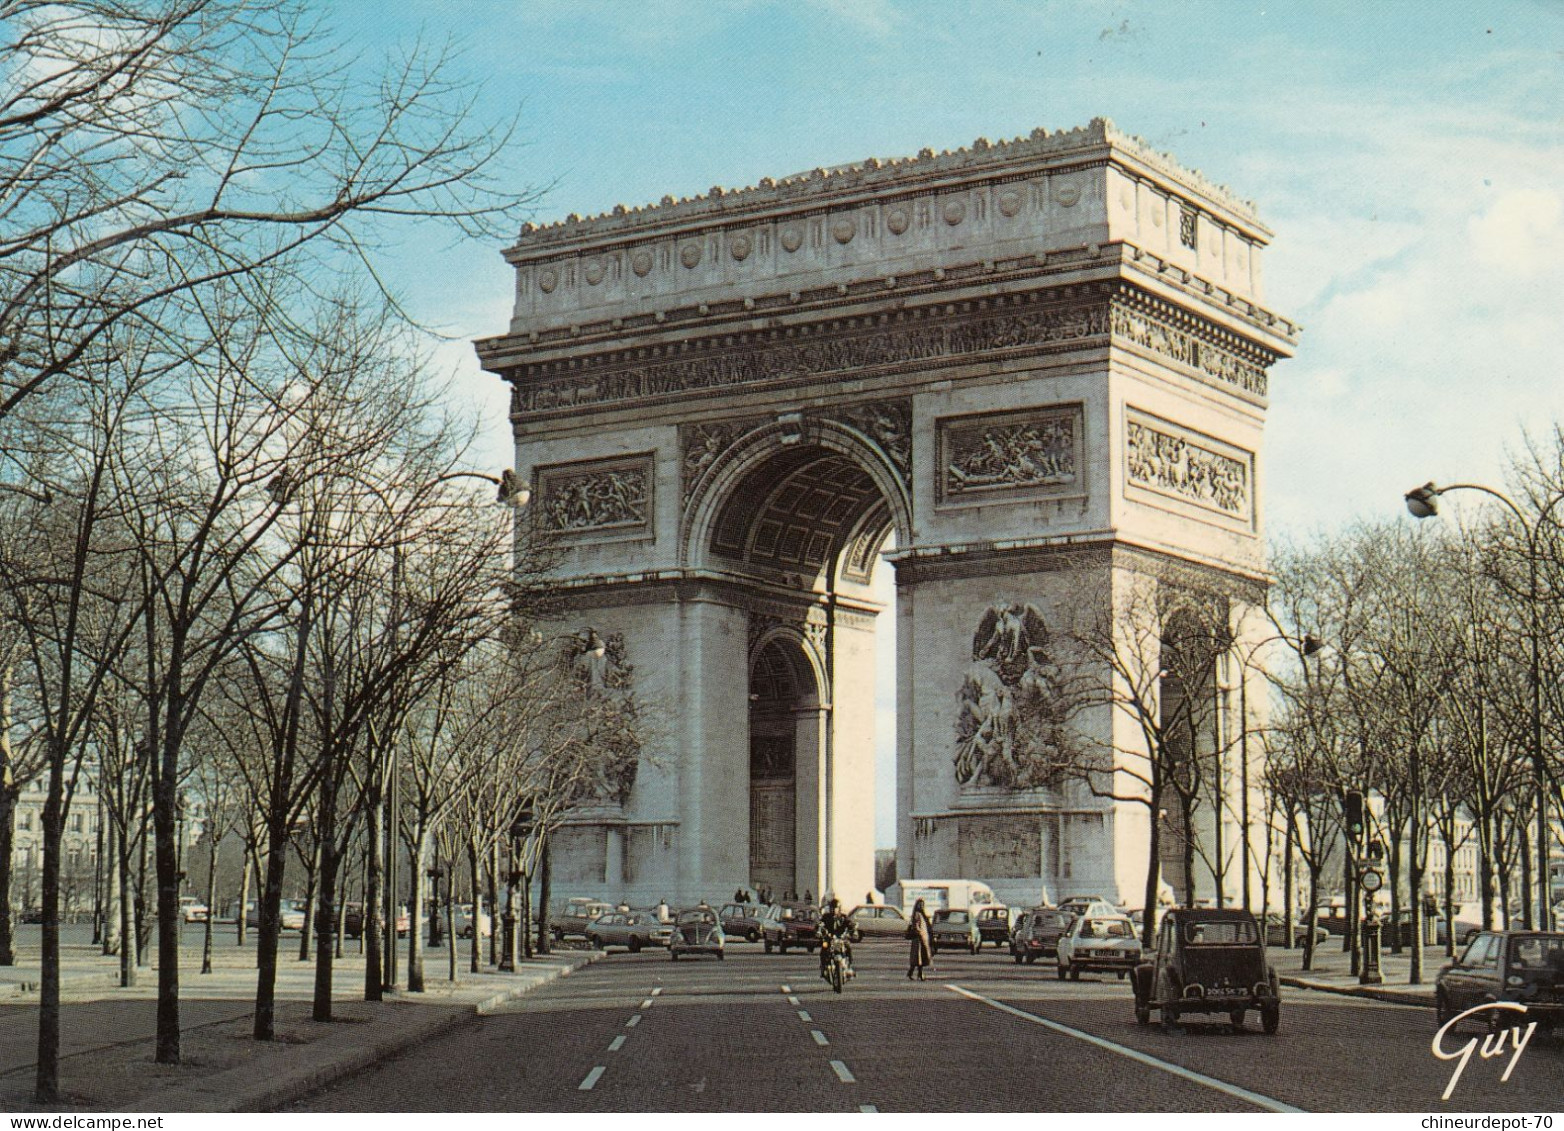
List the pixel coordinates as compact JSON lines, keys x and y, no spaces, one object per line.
{"x":617,"y":1043}
{"x":657,"y":991}
{"x":792,"y":999}
{"x":592,"y":1078}
{"x":803,"y":1015}
{"x":635,"y":1020}
{"x":842,"y":1074}
{"x":819,"y":1037}
{"x":647,"y":1004}
{"x":868,"y":1109}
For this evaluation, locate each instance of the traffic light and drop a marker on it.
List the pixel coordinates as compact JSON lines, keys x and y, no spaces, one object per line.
{"x":1354,"y":813}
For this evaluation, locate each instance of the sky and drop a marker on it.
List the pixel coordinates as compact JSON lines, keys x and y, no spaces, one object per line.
{"x":1407,"y":157}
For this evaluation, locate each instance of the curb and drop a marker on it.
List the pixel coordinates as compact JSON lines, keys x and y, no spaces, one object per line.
{"x":273,"y":1096}
{"x":1377,"y":993}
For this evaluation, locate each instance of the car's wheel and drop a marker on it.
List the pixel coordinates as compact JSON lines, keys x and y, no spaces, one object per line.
{"x":1236,"y":1018}
{"x":1142,"y":1013}
{"x":1169,"y":1020}
{"x":972,"y":947}
{"x":1030,"y":959}
{"x":1121,"y":975}
{"x":1075,"y":974}
{"x":635,"y":945}
{"x":782,"y":947}
{"x":1442,"y":1010}
{"x":721,"y":955}
{"x":593,"y":941}
{"x":1017,"y":956}
{"x":753,"y":936}
{"x":934,"y":948}
{"x":673,"y":955}
{"x":768,"y":946}
{"x":1271,"y":1017}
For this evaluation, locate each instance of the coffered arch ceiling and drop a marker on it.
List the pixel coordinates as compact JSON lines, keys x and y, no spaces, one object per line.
{"x":798,"y":511}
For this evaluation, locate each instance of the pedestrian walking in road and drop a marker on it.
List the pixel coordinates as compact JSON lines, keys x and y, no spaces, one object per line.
{"x":807,"y":897}
{"x":918,"y":933}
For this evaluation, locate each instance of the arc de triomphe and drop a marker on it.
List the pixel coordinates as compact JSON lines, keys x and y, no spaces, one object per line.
{"x":1028,"y":363}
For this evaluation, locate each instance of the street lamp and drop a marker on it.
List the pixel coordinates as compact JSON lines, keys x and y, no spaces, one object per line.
{"x":436,"y":874}
{"x":1423,"y":502}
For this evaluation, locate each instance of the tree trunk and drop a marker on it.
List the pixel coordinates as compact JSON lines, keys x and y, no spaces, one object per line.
{"x":164,"y":817}
{"x":1287,"y":892}
{"x":265,"y":1027}
{"x":46,"y":1078}
{"x":492,"y":878}
{"x":1148,"y":925}
{"x":311,"y":897}
{"x":543,"y":896}
{"x":214,"y":850}
{"x":1311,"y":913}
{"x":127,"y":925}
{"x":1522,"y":827}
{"x":475,"y":957}
{"x":1394,"y":866}
{"x":8,"y":796}
{"x":1187,"y":813}
{"x":450,"y":925}
{"x":415,"y":954}
{"x":1449,"y":900}
{"x":113,"y":896}
{"x":374,"y":881}
{"x":325,"y":941}
{"x":250,"y":868}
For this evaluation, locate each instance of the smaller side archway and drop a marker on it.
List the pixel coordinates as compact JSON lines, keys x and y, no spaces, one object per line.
{"x":787,"y":718}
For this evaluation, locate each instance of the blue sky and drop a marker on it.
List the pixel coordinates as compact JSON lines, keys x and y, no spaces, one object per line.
{"x":1408,"y":157}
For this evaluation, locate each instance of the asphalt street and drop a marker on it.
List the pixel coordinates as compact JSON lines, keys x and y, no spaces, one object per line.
{"x":762,"y":1032}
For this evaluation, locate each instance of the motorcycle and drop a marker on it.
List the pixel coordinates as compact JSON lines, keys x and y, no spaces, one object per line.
{"x":838,"y":966}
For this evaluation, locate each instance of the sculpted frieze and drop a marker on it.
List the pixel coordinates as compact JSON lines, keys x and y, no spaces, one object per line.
{"x":887,"y":423}
{"x":1010,"y":452}
{"x":820,"y":354}
{"x":591,"y":497}
{"x":1176,"y":464}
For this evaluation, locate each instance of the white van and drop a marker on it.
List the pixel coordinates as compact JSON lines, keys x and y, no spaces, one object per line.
{"x":937,"y":894}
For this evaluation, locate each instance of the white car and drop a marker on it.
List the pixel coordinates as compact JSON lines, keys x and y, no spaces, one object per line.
{"x":192,"y":910}
{"x":1098,"y":942}
{"x":464,"y":920}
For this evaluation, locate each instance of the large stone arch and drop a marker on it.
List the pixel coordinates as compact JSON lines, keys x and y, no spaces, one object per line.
{"x":791,"y":443}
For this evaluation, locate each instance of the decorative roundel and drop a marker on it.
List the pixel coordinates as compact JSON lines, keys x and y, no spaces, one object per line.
{"x":739,"y":246}
{"x":897,"y":220}
{"x":1067,"y":195}
{"x":955,"y":212}
{"x":690,"y":254}
{"x":641,"y":263}
{"x":843,"y":230}
{"x":548,"y":279}
{"x":1009,"y":202}
{"x":792,"y":237}
{"x":594,"y":272}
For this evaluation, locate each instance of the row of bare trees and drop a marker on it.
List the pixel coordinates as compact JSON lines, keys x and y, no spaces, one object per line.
{"x":241,"y":569}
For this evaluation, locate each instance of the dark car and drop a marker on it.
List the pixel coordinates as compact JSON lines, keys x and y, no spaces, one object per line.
{"x":954,"y":929}
{"x":1037,"y":933}
{"x":1207,"y":960}
{"x":697,"y":931}
{"x":1525,"y":967}
{"x":877,"y":921}
{"x":790,"y":924}
{"x":993,"y":925}
{"x":742,"y":920}
{"x":635,"y":930}
{"x":353,"y":921}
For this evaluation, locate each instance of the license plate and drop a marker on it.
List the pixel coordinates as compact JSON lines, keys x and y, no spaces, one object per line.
{"x":1226,"y":991}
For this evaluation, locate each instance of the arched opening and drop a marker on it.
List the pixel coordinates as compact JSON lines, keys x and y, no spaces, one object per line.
{"x":784,"y":733}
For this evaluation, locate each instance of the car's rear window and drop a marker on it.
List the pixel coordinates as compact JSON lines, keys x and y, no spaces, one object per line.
{"x":1218,"y":932}
{"x":1106,"y":929}
{"x":1050,"y":919}
{"x":1539,"y":952}
{"x":950,"y":916}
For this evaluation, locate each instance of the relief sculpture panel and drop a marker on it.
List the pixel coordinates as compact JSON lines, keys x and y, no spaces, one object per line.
{"x":1023,"y":451}
{"x":605,"y":496}
{"x":1171,"y":461}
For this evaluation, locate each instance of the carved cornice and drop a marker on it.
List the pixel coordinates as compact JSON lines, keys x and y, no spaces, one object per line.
{"x":907,"y":340}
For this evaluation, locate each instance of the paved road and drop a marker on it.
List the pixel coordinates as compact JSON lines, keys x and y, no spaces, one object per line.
{"x":763,"y":1033}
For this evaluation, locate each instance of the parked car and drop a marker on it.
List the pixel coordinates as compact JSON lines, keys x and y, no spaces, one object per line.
{"x":192,"y":910}
{"x":578,"y":915}
{"x":993,"y":925}
{"x":1037,"y":932}
{"x":742,"y":920}
{"x":789,"y":924}
{"x":292,"y":915}
{"x":877,"y":921}
{"x":697,"y":931}
{"x":353,"y":921}
{"x":954,"y":929}
{"x":635,"y":930}
{"x":1097,"y":942}
{"x":1468,"y":922}
{"x":1276,"y":931}
{"x":1526,"y":967}
{"x":465,"y":919}
{"x":1207,"y":961}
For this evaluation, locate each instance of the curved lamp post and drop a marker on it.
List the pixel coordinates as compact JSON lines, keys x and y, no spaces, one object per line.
{"x":1423,"y":502}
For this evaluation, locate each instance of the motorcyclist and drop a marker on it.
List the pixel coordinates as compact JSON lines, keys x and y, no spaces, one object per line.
{"x":833,"y":924}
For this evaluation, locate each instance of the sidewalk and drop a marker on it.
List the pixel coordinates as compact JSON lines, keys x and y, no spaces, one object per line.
{"x":107,"y":1032}
{"x":1332,"y":973}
